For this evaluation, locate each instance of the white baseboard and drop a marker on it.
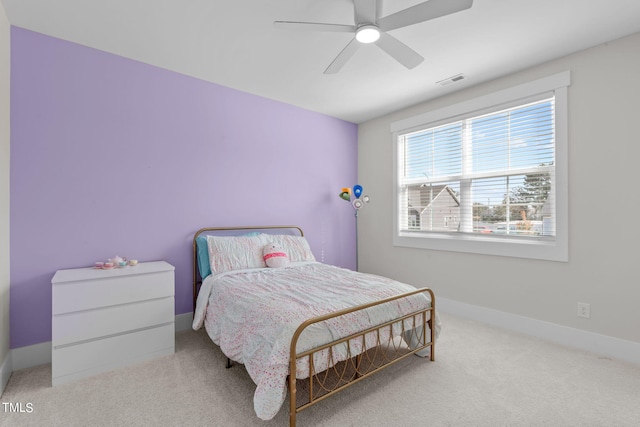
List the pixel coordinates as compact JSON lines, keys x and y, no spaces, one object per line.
{"x":629,"y":351}
{"x":5,"y":371}
{"x":40,"y":354}
{"x":184,"y":321}
{"x":31,"y":355}
{"x":604,"y":345}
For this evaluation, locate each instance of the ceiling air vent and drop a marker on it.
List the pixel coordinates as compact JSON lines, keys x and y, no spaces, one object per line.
{"x":451,"y":80}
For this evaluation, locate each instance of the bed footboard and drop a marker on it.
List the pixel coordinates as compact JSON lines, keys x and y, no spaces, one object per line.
{"x":364,"y":359}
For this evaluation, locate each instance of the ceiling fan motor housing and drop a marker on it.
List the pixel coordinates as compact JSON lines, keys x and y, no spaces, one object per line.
{"x":368,"y":33}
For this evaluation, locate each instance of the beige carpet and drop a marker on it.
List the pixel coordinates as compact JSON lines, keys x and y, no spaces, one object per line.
{"x":482,"y":376}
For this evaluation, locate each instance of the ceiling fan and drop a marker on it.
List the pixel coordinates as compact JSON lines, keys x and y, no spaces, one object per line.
{"x":369,"y":27}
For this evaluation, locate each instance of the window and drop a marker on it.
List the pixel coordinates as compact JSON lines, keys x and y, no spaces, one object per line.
{"x":486,"y":176}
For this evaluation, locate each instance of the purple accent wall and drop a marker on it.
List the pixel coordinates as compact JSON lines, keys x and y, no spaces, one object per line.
{"x":112,"y":156}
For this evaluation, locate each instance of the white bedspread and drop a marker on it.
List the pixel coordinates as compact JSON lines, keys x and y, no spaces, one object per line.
{"x":253,"y":314}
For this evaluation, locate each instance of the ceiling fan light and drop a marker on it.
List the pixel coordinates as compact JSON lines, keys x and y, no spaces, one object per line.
{"x":367,"y":34}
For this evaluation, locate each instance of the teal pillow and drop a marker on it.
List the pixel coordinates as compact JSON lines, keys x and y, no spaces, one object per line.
{"x":203,"y":253}
{"x":203,"y":256}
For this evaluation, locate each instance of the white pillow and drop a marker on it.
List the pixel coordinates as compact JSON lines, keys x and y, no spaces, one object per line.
{"x":227,"y":253}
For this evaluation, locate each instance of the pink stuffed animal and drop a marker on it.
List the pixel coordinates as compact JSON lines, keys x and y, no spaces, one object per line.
{"x":275,"y":256}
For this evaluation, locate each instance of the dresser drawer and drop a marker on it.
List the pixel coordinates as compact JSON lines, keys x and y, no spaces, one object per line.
{"x":84,"y":295}
{"x":78,"y":361}
{"x":103,"y":322}
{"x":107,"y":319}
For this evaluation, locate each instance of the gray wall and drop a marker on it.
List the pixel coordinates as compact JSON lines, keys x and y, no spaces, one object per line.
{"x":4,"y":186}
{"x":603,"y":206}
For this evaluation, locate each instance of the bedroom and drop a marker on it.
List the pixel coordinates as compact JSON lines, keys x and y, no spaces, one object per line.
{"x":84,"y":187}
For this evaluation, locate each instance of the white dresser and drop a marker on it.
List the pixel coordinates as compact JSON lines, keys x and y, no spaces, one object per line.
{"x":106,"y":319}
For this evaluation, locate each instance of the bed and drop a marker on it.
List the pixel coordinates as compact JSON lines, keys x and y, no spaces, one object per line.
{"x":329,"y":326}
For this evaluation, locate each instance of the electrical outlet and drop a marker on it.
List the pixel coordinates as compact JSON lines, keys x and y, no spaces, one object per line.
{"x":584,"y":310}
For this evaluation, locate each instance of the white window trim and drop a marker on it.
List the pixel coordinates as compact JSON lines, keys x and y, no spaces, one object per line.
{"x":556,"y":249}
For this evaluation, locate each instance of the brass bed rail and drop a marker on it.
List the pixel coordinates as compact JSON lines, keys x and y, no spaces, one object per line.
{"x":373,"y":358}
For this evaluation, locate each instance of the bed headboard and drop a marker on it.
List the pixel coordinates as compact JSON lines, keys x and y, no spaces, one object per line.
{"x":234,"y":231}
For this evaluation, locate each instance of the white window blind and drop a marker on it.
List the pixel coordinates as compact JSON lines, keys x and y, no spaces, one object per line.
{"x":488,"y":175}
{"x":491,"y":174}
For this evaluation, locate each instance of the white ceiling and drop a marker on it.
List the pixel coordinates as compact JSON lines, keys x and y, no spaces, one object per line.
{"x":234,"y":43}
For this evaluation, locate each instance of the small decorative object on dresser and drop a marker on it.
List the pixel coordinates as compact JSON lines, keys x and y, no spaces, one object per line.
{"x":107,"y":319}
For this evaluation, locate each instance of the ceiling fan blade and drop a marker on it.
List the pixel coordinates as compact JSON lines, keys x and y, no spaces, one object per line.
{"x":343,"y":57}
{"x":365,"y":11}
{"x":315,"y":26}
{"x":400,"y":51}
{"x":422,"y":12}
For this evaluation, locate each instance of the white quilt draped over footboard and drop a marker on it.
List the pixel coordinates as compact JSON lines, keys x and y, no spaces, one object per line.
{"x":253,"y":314}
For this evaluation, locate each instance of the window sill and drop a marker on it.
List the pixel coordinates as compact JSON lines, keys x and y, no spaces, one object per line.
{"x":542,"y":249}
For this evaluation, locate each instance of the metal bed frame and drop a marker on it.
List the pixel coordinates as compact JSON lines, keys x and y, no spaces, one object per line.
{"x":383,"y":352}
